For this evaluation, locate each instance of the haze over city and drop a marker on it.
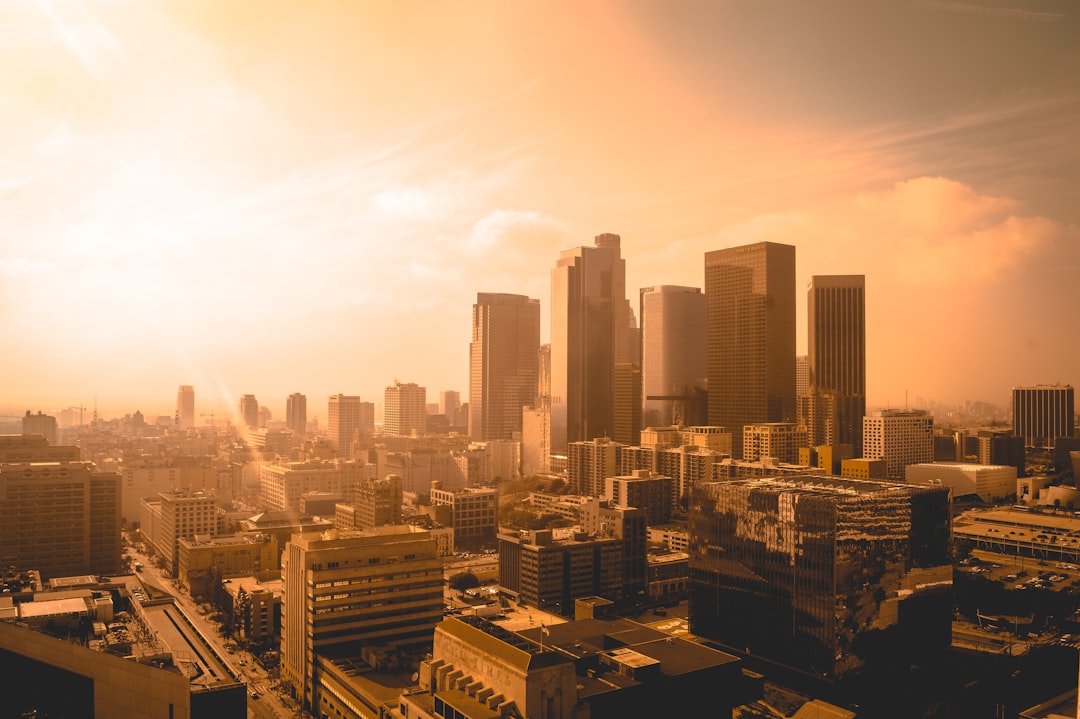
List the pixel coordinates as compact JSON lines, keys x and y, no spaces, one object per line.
{"x":271,"y":197}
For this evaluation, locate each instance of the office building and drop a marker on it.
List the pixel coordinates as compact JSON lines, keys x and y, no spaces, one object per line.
{"x":1002,"y":447}
{"x":343,"y":419}
{"x":60,"y":518}
{"x":202,"y":560}
{"x":283,"y":485}
{"x":449,"y":403}
{"x":34,"y":448}
{"x":405,"y":410}
{"x":503,"y":363}
{"x":592,"y":327}
{"x":900,"y":437}
{"x":779,"y":440}
{"x":802,"y":375}
{"x":673,"y":368}
{"x":822,"y":574}
{"x":185,"y":406}
{"x":376,"y":503}
{"x":296,"y":413}
{"x":836,"y":338}
{"x":249,"y":412}
{"x":473,"y":514}
{"x":626,"y":410}
{"x":178,"y":514}
{"x":645,"y":490}
{"x":750,"y":336}
{"x":1043,"y":413}
{"x":146,"y":476}
{"x":43,"y":424}
{"x":378,"y":591}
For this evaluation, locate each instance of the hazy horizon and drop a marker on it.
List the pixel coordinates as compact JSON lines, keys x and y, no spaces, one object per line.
{"x":266,"y":198}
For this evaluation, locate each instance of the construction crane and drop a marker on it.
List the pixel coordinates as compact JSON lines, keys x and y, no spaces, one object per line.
{"x":81,"y":410}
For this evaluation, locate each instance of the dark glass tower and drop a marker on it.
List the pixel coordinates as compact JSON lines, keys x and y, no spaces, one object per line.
{"x":836,"y":338}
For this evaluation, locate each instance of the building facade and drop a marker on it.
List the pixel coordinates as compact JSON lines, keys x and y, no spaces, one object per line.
{"x":900,"y":437}
{"x":1043,"y":413}
{"x":248,"y":412}
{"x":836,"y":339}
{"x":779,"y":440}
{"x":673,"y":369}
{"x":296,"y":413}
{"x":821,"y":574}
{"x":503,"y":363}
{"x":185,"y":406}
{"x":750,"y":335}
{"x":405,"y":410}
{"x":474,"y":513}
{"x":343,"y":419}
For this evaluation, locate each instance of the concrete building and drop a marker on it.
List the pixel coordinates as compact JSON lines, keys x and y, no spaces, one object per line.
{"x":589,"y":463}
{"x":503,"y":364}
{"x":862,"y":468}
{"x":990,"y":483}
{"x":750,"y":335}
{"x":473,"y":514}
{"x":185,"y":406}
{"x":449,"y":403}
{"x":178,"y":514}
{"x":802,"y":375}
{"x":15,"y":448}
{"x":296,"y":413}
{"x":256,"y":607}
{"x":60,"y":518}
{"x":673,"y":369}
{"x":376,"y":503}
{"x":626,"y":410}
{"x":202,"y":559}
{"x":900,"y":437}
{"x":249,"y":412}
{"x":142,"y":477}
{"x":1002,"y":447}
{"x":380,"y":591}
{"x":779,"y":440}
{"x":344,"y":416}
{"x":653,"y":493}
{"x":836,"y":338}
{"x":281,"y":486}
{"x":591,"y":330}
{"x":405,"y":410}
{"x":811,"y":571}
{"x":282,"y":525}
{"x":43,"y":424}
{"x":1043,"y":413}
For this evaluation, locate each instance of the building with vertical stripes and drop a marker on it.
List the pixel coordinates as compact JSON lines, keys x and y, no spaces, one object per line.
{"x":836,"y":339}
{"x":1043,"y":413}
{"x":504,"y":363}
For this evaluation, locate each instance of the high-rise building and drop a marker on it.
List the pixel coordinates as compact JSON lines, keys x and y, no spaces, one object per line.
{"x":900,"y":437}
{"x":822,"y":574}
{"x":1043,"y":413}
{"x":377,"y":590}
{"x":626,"y":408}
{"x":249,"y":411}
{"x":673,"y":366}
{"x":177,"y":514}
{"x":296,"y":413}
{"x":592,"y":327}
{"x":343,"y":418}
{"x":60,"y":518}
{"x":802,"y":375}
{"x":750,"y":335}
{"x":589,"y":463}
{"x":43,"y":424}
{"x":836,"y":338}
{"x":449,"y":401}
{"x":503,"y":363}
{"x":185,"y":406}
{"x":779,"y":440}
{"x":405,"y":409}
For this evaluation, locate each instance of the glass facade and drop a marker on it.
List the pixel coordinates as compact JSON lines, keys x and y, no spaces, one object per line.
{"x":821,"y":574}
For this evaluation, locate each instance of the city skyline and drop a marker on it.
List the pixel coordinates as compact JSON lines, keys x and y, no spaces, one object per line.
{"x":186,"y":188}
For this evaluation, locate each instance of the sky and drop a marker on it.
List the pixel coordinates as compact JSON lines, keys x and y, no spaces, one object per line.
{"x":267,"y":197}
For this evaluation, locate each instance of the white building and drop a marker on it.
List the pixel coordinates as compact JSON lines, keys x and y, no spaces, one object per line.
{"x":900,"y":437}
{"x":990,"y":482}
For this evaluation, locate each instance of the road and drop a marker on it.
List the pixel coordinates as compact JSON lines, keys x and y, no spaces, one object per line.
{"x":269,"y":704}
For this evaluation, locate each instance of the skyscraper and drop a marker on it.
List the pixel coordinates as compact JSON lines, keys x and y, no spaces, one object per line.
{"x":185,"y":406}
{"x":836,"y":338}
{"x":405,"y":409}
{"x":503,"y":363}
{"x":672,"y":358}
{"x":249,"y":411}
{"x":296,"y":413}
{"x":449,"y":401}
{"x":592,"y":326}
{"x":342,"y":421}
{"x":1042,"y":414}
{"x":750,"y":336}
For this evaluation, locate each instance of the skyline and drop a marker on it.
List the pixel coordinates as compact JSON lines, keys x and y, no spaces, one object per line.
{"x":253,"y":198}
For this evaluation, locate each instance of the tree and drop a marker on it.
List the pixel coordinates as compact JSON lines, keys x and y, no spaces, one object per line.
{"x":464,"y":580}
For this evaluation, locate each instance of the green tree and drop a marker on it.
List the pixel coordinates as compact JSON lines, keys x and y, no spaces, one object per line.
{"x":463,"y":580}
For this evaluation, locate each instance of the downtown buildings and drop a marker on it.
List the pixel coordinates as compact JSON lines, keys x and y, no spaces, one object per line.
{"x":503,"y":364}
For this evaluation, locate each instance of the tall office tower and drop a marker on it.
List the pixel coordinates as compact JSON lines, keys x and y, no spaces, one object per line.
{"x":822,"y":574}
{"x":296,"y":413}
{"x":185,"y":406}
{"x":43,"y":424}
{"x":591,"y":331}
{"x":249,"y":411}
{"x":61,"y":518}
{"x":802,"y":375}
{"x":368,"y":592}
{"x":626,"y":408}
{"x":367,"y":417}
{"x":900,"y":437}
{"x":503,"y":363}
{"x":342,"y":420}
{"x":405,"y":409}
{"x":836,"y":338}
{"x":672,"y":359}
{"x":449,"y":401}
{"x":750,"y":336}
{"x":1043,"y":413}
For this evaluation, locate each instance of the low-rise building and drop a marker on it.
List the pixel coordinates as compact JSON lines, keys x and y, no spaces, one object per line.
{"x":203,"y":560}
{"x":989,"y":482}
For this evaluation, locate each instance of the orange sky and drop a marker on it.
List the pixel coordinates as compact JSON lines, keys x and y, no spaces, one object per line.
{"x":271,"y":197}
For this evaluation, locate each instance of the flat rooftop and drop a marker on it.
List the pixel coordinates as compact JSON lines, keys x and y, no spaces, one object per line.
{"x":195,"y":658}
